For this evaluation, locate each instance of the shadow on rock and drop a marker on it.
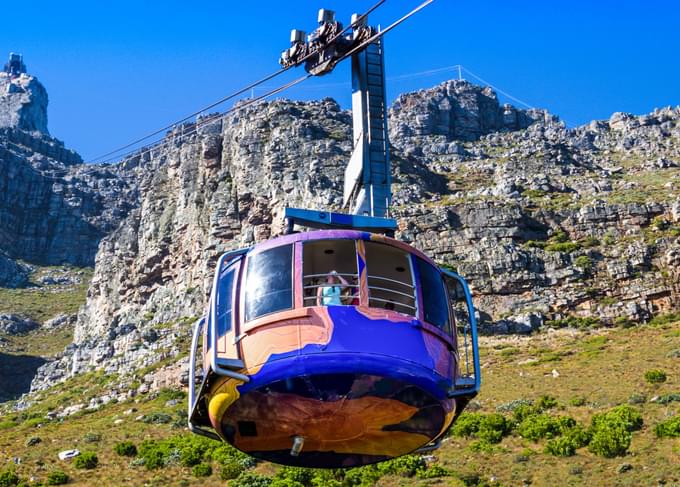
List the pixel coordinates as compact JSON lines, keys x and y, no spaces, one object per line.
{"x":16,"y":374}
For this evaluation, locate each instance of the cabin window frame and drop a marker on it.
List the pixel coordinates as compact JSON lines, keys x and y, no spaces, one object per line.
{"x":247,"y":274}
{"x":356,"y":275}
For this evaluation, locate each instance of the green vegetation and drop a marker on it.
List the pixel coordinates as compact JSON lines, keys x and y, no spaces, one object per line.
{"x":43,"y":303}
{"x":57,"y":477}
{"x":86,"y":460}
{"x":566,"y":247}
{"x":655,"y":376}
{"x":584,"y":263}
{"x":125,"y":449}
{"x":515,"y":433}
{"x":201,"y":470}
{"x":664,"y":319}
{"x":574,"y":322}
{"x":668,"y":429}
{"x":8,"y":478}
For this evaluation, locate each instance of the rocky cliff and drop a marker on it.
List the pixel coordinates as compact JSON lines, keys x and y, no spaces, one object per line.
{"x":546,"y":222}
{"x":53,"y":209}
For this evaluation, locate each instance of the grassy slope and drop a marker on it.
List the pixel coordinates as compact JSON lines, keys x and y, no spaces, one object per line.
{"x":42,"y":304}
{"x":605,"y":368}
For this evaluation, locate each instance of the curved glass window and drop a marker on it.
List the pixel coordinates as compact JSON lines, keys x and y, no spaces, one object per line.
{"x":225,"y":291}
{"x":269,"y":282}
{"x":435,"y":305}
{"x":390,"y":278}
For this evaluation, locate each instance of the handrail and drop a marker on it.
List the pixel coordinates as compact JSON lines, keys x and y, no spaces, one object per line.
{"x":391,"y":280}
{"x":306,"y":276}
{"x":393,"y":291}
{"x":393,"y":302}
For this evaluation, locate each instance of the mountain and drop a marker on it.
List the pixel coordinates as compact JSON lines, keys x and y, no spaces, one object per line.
{"x":550,"y":225}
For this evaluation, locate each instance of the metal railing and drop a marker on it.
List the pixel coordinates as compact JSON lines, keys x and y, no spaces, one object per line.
{"x":350,"y":291}
{"x":399,"y":296}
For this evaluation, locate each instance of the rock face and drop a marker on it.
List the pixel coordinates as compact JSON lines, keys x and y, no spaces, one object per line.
{"x":23,"y":103}
{"x":544,"y":221}
{"x":457,"y":110}
{"x":53,"y":209}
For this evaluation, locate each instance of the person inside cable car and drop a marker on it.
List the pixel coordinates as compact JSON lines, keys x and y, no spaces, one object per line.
{"x":330,"y":293}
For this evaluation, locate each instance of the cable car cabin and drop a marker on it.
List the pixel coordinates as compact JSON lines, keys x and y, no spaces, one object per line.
{"x":333,"y":348}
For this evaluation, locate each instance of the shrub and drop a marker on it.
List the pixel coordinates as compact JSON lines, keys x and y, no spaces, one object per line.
{"x":637,"y":399}
{"x":57,"y":477}
{"x":201,"y":470}
{"x":157,"y":418}
{"x":406,"y":465}
{"x":584,"y":263}
{"x":561,"y":447}
{"x":566,"y":247}
{"x":668,"y":398}
{"x":669,"y":429}
{"x":8,"y":478}
{"x":432,"y":472}
{"x":125,"y":449}
{"x":92,"y":437}
{"x":537,"y":426}
{"x":665,"y":319}
{"x":623,"y":322}
{"x":362,"y":476}
{"x":566,"y":446}
{"x":466,"y":425}
{"x":625,"y":415}
{"x":610,"y":439}
{"x":231,"y":470}
{"x":295,"y":474}
{"x":612,"y":431}
{"x":559,"y":236}
{"x":577,"y":401}
{"x":250,"y":479}
{"x":655,"y":376}
{"x":86,"y":460}
{"x":510,"y":407}
{"x":590,"y":242}
{"x":546,"y":402}
{"x":574,"y":322}
{"x":493,"y":427}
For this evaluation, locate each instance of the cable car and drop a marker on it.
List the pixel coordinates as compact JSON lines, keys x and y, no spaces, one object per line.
{"x":340,"y":346}
{"x":333,"y":348}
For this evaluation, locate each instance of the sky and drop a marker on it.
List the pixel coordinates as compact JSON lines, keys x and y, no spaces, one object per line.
{"x":118,"y":70}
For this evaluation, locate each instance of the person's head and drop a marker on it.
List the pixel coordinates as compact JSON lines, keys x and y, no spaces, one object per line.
{"x":332,"y":277}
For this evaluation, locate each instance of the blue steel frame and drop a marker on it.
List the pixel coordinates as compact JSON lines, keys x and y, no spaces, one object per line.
{"x":328,"y":219}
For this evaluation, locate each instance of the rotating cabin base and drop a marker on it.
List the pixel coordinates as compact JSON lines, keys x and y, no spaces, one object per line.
{"x":329,"y":419}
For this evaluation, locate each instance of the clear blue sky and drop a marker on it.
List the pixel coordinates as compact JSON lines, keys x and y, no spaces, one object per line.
{"x":117,"y":70}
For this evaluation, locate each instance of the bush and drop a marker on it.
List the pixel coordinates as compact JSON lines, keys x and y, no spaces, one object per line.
{"x":566,"y":446}
{"x":546,"y":402}
{"x":57,"y":477}
{"x":86,"y":460}
{"x":125,"y":449}
{"x":295,"y":474}
{"x":612,"y":431}
{"x":668,"y":398}
{"x":92,"y":437}
{"x":610,"y":440}
{"x":8,"y":478}
{"x":669,"y":429}
{"x":574,"y":322}
{"x":250,"y":479}
{"x":537,"y":426}
{"x":362,"y":476}
{"x":487,"y":427}
{"x":432,"y":472}
{"x":665,"y":319}
{"x":201,"y":470}
{"x":625,"y":415}
{"x":566,"y":247}
{"x":493,"y":427}
{"x":655,"y":376}
{"x":584,"y":263}
{"x":559,"y":236}
{"x":466,"y":425}
{"x":157,"y":418}
{"x":406,"y":466}
{"x":577,"y":401}
{"x":231,"y":470}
